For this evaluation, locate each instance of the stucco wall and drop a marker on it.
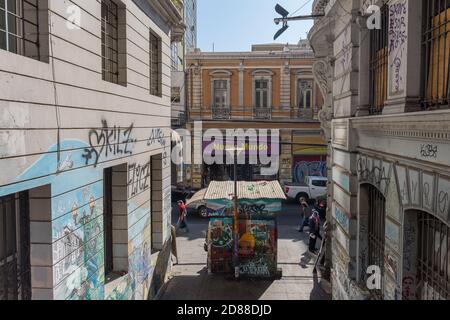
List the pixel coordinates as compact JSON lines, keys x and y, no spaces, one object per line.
{"x":61,"y":125}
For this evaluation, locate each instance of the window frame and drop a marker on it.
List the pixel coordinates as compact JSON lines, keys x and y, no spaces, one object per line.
{"x":378,"y":64}
{"x":300,"y":95}
{"x":433,"y":36}
{"x":20,"y":35}
{"x":108,"y":74}
{"x":260,"y":92}
{"x":20,"y":256}
{"x":155,"y":53}
{"x":225,"y":91}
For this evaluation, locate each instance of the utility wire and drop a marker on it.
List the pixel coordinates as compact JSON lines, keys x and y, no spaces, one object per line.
{"x":304,"y":5}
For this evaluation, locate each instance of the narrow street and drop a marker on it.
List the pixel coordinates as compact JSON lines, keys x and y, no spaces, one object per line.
{"x":192,"y":281}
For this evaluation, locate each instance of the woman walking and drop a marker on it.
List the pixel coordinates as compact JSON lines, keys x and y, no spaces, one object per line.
{"x":182,"y":213}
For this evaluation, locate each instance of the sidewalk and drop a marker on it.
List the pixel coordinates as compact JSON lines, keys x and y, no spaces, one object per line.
{"x":191,"y":280}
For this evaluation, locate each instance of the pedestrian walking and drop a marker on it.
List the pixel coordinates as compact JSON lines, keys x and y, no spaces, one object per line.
{"x":305,"y":212}
{"x":182,"y":217}
{"x":314,"y":231}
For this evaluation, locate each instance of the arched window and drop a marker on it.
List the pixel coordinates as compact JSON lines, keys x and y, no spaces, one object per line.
{"x":305,"y":94}
{"x":426,"y":266}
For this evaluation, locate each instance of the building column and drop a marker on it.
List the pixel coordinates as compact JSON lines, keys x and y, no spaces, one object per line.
{"x":41,"y":244}
{"x":241,"y":85}
{"x":404,"y":44}
{"x":285,"y":86}
{"x":286,"y":157}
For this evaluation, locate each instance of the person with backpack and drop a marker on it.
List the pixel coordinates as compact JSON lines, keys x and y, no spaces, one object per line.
{"x":182,"y":217}
{"x":314,"y":231}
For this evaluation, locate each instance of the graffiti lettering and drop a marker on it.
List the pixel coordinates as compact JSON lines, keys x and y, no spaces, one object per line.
{"x":252,"y":210}
{"x":156,"y":136}
{"x":426,"y":193}
{"x":443,"y":199}
{"x":397,"y":64}
{"x":375,"y":174}
{"x":429,"y":151}
{"x":139,"y":177}
{"x":303,"y":169}
{"x":255,"y":269}
{"x":106,"y":142}
{"x":397,"y":25}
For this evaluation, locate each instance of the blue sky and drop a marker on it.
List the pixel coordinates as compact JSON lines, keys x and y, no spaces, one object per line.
{"x":234,"y":25}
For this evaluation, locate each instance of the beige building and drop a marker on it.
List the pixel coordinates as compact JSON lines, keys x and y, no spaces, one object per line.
{"x":85,"y":147}
{"x":270,"y":87}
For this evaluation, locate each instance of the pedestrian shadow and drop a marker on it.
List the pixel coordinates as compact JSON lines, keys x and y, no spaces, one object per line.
{"x":317,"y":293}
{"x":206,"y":286}
{"x":305,"y":259}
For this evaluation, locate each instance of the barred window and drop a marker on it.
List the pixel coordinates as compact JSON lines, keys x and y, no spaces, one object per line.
{"x":15,"y":270}
{"x":176,"y":95}
{"x":433,"y":258}
{"x":379,"y":64}
{"x":376,"y":232}
{"x":436,"y":53}
{"x":110,"y":41}
{"x":155,"y":65}
{"x":19,"y":27}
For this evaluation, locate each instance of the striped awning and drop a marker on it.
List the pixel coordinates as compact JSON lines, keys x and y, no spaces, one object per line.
{"x":245,"y":190}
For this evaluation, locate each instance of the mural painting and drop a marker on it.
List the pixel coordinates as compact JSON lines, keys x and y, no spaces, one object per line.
{"x":257,"y":248}
{"x":220,"y":242}
{"x":303,"y":169}
{"x":73,"y":170}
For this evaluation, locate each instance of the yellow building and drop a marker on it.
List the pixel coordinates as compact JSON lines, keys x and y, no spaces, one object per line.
{"x":271,"y":87}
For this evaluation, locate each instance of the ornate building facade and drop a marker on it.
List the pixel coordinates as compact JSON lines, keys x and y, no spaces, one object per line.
{"x":383,"y":67}
{"x":271,"y":87}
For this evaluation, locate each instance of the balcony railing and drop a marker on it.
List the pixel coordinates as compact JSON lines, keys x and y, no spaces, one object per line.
{"x":262,"y":113}
{"x":221,"y":113}
{"x":253,"y":113}
{"x":179,"y":120}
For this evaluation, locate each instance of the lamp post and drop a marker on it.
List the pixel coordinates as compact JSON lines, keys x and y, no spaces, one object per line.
{"x":235,"y":151}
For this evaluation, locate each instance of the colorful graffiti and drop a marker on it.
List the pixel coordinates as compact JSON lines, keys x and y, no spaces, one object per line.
{"x":303,"y":169}
{"x":220,"y":243}
{"x":257,"y":248}
{"x":77,"y":220}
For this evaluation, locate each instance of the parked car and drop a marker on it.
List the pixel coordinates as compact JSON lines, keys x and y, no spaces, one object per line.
{"x":179,"y":193}
{"x":313,"y":188}
{"x":196,"y":204}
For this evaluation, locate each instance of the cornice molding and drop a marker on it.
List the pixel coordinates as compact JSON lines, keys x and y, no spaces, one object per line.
{"x":429,"y":125}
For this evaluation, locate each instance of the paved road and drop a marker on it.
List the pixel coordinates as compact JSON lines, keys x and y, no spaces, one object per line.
{"x":191,"y":280}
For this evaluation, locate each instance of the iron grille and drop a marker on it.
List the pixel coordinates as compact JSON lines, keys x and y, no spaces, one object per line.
{"x":155,"y":65}
{"x":110,"y":45}
{"x":19,"y":27}
{"x":433,"y":258}
{"x":379,"y":64}
{"x":377,"y":205}
{"x":108,"y":220}
{"x":15,"y":270}
{"x":436,"y":54}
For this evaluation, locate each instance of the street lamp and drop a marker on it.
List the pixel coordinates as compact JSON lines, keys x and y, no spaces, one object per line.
{"x":236,"y":150}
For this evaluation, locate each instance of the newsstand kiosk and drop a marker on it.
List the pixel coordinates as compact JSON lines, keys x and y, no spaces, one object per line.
{"x":259,"y":203}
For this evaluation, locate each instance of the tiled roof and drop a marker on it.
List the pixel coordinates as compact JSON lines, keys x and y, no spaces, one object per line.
{"x":246,"y":190}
